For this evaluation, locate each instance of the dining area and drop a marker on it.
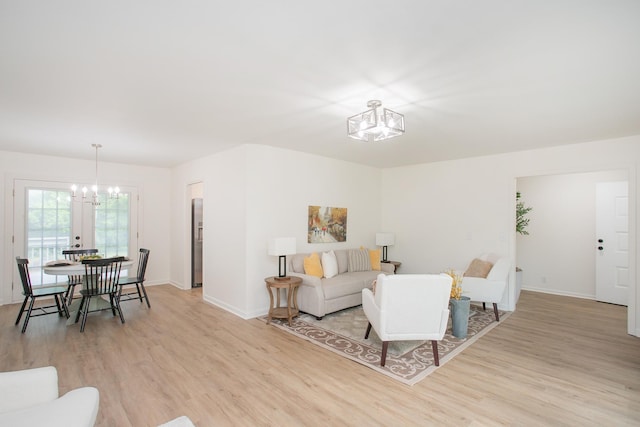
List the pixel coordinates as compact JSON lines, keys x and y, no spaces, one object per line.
{"x":80,"y":282}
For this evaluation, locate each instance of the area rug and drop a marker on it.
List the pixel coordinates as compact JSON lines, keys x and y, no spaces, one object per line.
{"x":407,"y":361}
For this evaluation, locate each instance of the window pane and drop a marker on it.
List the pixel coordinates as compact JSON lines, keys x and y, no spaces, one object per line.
{"x":112,"y":225}
{"x":48,"y":229}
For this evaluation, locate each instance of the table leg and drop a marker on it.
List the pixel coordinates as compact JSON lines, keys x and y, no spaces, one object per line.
{"x":269,"y":290}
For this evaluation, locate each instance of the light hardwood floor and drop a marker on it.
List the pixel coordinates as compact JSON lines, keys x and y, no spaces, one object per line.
{"x":555,"y":361}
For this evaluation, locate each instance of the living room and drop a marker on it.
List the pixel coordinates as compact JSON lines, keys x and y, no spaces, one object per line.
{"x":258,"y":122}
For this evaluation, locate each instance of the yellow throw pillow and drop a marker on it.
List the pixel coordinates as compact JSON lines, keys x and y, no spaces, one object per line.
{"x":312,"y":265}
{"x":374,"y":257}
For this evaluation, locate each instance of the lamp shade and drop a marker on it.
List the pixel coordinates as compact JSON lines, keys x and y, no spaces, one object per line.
{"x":385,"y":239}
{"x":282,"y":246}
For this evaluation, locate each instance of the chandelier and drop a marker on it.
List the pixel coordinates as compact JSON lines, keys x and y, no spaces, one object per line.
{"x":372,"y":125}
{"x":113,"y":191}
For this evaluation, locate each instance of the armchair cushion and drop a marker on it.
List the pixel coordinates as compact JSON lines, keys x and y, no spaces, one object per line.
{"x":478,"y":268}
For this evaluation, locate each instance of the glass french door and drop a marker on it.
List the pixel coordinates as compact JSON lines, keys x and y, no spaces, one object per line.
{"x":48,"y":219}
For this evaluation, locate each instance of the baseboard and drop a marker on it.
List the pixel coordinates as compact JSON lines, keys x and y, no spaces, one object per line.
{"x":559,"y":293}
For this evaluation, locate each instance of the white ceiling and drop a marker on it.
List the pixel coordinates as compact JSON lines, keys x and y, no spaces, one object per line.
{"x":161,"y":82}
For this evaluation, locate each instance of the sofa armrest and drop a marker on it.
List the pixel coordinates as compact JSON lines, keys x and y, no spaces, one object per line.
{"x":21,"y":389}
{"x":310,"y":295}
{"x":387,"y":267}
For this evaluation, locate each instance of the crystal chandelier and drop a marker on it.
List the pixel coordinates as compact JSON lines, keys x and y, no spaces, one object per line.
{"x":374,"y":126}
{"x":113,"y":191}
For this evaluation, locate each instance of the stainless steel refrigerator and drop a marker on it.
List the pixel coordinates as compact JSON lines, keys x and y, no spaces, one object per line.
{"x":196,"y":243}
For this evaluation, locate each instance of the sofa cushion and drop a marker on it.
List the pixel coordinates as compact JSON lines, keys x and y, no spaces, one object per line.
{"x":312,"y":265}
{"x":342,"y":256}
{"x":478,"y":268}
{"x":359,"y":260}
{"x":347,"y":284}
{"x":374,"y":258}
{"x":297,"y":263}
{"x":329,"y":264}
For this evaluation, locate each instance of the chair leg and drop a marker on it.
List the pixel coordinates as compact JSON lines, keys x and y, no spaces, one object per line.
{"x":26,"y":319}
{"x":70,"y":291}
{"x":436,"y":358}
{"x":385,"y":346}
{"x":63,"y":301}
{"x":144,"y":291}
{"x":59,"y":307}
{"x":82,"y":302}
{"x":24,"y":304}
{"x":495,"y":311}
{"x":85,"y":313}
{"x":112,"y":298}
{"x":117,"y":304}
{"x":366,"y":335}
{"x":139,"y":293}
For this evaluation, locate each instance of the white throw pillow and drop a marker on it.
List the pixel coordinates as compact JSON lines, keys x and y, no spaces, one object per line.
{"x":329,"y":264}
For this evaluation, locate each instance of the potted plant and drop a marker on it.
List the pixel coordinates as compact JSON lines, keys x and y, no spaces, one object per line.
{"x":460,"y":306}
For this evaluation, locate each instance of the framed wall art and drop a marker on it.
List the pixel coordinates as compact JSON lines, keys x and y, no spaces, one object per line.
{"x":327,"y":224}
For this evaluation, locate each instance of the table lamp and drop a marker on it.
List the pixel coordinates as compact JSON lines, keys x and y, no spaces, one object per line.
{"x":281,"y":247}
{"x":384,"y":240}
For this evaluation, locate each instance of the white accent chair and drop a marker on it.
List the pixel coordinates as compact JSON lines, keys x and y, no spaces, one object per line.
{"x":30,"y":398}
{"x":490,"y":289}
{"x":407,"y":307}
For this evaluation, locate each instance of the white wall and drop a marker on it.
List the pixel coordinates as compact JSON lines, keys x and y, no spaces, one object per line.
{"x":152,"y":185}
{"x":558,"y":255}
{"x":254,"y":193}
{"x":446,"y":213}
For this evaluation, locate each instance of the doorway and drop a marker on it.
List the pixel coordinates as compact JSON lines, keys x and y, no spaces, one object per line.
{"x":196,"y":237}
{"x":559,"y":254}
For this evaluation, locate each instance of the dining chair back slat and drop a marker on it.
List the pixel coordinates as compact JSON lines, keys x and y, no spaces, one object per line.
{"x":139,"y":293}
{"x":101,"y":278}
{"x":75,"y":255}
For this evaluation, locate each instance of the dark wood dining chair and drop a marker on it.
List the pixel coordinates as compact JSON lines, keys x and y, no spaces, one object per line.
{"x":74,"y":280}
{"x":140,"y":292}
{"x":100,"y":278}
{"x":31,"y":294}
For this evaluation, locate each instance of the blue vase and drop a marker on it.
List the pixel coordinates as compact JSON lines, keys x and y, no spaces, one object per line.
{"x":460,"y":316}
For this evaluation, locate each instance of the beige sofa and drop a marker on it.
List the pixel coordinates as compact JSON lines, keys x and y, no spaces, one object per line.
{"x":319,"y":296}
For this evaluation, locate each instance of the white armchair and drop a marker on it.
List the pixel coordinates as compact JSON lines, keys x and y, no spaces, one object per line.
{"x":30,"y":398}
{"x":407,"y":307}
{"x":490,"y":288}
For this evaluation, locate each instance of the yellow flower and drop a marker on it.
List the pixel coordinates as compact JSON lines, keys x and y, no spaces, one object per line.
{"x":456,"y":289}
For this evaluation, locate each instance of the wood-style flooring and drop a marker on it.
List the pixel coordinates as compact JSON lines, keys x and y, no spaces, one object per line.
{"x":555,"y":361}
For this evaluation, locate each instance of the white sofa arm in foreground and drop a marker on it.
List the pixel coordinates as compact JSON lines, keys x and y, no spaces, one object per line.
{"x":30,"y":398}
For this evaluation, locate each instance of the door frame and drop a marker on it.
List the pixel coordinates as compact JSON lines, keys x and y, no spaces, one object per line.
{"x":631,"y":171}
{"x":7,"y":276}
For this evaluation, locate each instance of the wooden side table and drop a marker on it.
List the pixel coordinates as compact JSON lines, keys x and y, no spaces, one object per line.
{"x":290,"y":286}
{"x":396,"y":265}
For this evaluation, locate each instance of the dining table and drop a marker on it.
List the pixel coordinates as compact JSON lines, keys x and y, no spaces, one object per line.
{"x":72,"y":268}
{"x":77,"y":268}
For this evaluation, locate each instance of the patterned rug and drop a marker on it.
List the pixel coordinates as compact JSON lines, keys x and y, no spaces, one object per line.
{"x":407,"y":361}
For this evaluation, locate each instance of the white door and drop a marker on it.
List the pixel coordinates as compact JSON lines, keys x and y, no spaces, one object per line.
{"x":612,"y":242}
{"x":47,"y":220}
